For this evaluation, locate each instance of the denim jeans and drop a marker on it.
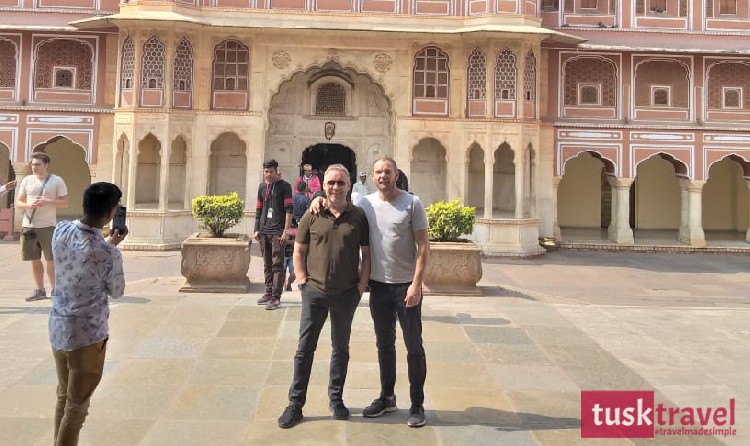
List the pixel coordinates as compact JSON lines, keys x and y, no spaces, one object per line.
{"x":315,"y":308}
{"x":273,"y":264}
{"x":386,"y":305}
{"x":78,"y":373}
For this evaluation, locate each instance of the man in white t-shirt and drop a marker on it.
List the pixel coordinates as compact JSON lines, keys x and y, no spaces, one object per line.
{"x":39,"y":195}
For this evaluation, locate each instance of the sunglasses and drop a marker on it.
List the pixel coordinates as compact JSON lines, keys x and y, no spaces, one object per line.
{"x":339,"y":183}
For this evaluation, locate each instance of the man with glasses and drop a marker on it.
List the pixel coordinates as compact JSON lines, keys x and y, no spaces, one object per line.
{"x":39,"y":195}
{"x":332,"y":279}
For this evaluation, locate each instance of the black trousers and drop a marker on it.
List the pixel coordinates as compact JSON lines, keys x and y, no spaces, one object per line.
{"x":273,"y":264}
{"x":386,"y":305}
{"x":315,"y":309}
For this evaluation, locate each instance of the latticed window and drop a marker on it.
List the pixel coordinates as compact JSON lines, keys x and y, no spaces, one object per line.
{"x":732,"y":98}
{"x":7,"y":64}
{"x":66,"y":53}
{"x":589,"y":70}
{"x":477,"y":75}
{"x":529,"y":81}
{"x":588,"y":4}
{"x":331,"y":100}
{"x":63,"y":77}
{"x":183,"y":66}
{"x":127,"y":65}
{"x":431,"y":74}
{"x":589,"y":94}
{"x":505,"y":75}
{"x":152,"y":64}
{"x":658,"y":5}
{"x":231,"y":65}
{"x":660,"y":96}
{"x":725,"y":76}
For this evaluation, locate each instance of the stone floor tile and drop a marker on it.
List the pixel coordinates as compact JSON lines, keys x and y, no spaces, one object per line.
{"x":149,"y":371}
{"x":483,"y":435}
{"x":460,"y":375}
{"x":25,"y":431}
{"x":260,"y":329}
{"x":313,"y":431}
{"x":28,"y":401}
{"x":498,"y":335}
{"x":439,"y":352}
{"x":522,"y":354}
{"x":239,"y":348}
{"x":196,"y":433}
{"x":132,"y":401}
{"x":168,"y":347}
{"x":230,"y":372}
{"x":214,"y":402}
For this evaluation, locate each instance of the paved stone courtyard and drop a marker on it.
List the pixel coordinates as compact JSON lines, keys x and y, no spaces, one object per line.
{"x":505,"y":368}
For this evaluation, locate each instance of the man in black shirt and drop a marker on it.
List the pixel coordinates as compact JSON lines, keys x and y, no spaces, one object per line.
{"x":273,"y":218}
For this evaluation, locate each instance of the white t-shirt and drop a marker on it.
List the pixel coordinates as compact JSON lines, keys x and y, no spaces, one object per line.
{"x":392,"y":244}
{"x":45,"y":216}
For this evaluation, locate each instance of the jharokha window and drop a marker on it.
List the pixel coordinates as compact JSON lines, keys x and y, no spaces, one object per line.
{"x":660,"y":96}
{"x":7,"y":64}
{"x":183,"y":66}
{"x":231,"y":66}
{"x":529,"y":81}
{"x":732,"y":97}
{"x":127,"y":64}
{"x":152,"y":64}
{"x":477,"y":75}
{"x":431,"y":74}
{"x":505,"y":75}
{"x":55,"y":57}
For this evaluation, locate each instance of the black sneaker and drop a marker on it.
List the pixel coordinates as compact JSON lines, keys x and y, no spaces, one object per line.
{"x":37,"y":295}
{"x":416,"y":417}
{"x":291,"y":417}
{"x":340,"y":412}
{"x":265,"y":299}
{"x":273,"y":304}
{"x":379,"y":407}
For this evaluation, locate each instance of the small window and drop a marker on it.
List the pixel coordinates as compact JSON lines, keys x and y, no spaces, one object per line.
{"x":660,"y":96}
{"x":728,"y":7}
{"x":64,"y":77}
{"x":230,"y":85}
{"x":658,"y":5}
{"x":152,"y":83}
{"x":128,"y":84}
{"x":505,"y":94}
{"x":181,"y":86}
{"x":430,"y":91}
{"x":588,"y":95}
{"x":732,"y":97}
{"x":528,"y":95}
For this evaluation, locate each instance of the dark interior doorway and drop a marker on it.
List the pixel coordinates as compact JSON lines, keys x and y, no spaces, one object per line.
{"x":320,"y":156}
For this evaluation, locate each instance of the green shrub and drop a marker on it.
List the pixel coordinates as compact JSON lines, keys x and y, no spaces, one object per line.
{"x":217,"y":213}
{"x":449,"y":221}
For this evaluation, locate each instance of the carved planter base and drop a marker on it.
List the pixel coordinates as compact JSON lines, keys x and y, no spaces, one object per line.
{"x":453,"y":268}
{"x":216,"y":265}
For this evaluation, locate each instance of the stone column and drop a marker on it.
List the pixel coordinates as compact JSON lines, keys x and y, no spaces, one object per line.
{"x":691,"y":226}
{"x":555,"y":225}
{"x":520,"y":90}
{"x":489,"y":185}
{"x":519,"y":160}
{"x":619,"y":230}
{"x":137,"y":69}
{"x":168,"y":86}
{"x":21,"y":169}
{"x":166,"y":150}
{"x":132,"y":168}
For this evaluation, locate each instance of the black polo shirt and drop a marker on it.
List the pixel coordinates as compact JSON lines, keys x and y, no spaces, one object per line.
{"x":333,"y":248}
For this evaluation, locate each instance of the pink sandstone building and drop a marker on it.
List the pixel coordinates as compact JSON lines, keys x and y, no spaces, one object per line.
{"x":600,"y":115}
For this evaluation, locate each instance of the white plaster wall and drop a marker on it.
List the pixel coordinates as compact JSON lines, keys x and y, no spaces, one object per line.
{"x":579,"y":193}
{"x":657,"y":195}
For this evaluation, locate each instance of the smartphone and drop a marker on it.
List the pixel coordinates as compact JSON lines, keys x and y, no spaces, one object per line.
{"x":118,"y":222}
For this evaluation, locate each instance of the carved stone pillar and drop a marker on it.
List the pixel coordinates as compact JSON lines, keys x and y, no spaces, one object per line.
{"x":520,"y":90}
{"x":165,"y":152}
{"x":691,"y":225}
{"x":489,"y":180}
{"x":519,"y":160}
{"x":619,"y":230}
{"x":132,"y":168}
{"x":747,"y":234}
{"x":555,"y":225}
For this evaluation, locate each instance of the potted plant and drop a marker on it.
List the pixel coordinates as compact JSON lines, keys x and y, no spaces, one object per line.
{"x":455,"y":264}
{"x":216,"y":262}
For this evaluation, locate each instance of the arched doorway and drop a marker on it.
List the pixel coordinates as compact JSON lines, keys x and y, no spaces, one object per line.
{"x":68,"y":160}
{"x":7,"y":174}
{"x":328,"y":101}
{"x":322,"y":155}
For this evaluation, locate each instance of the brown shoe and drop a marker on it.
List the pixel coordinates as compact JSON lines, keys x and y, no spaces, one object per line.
{"x":288,"y":286}
{"x":265,"y":299}
{"x":273,"y":304}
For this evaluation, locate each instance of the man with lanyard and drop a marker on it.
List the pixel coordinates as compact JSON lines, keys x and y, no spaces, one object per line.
{"x":273,"y":218}
{"x":310,"y":179}
{"x":39,"y":195}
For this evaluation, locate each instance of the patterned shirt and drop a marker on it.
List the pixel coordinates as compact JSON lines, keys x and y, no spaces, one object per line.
{"x":87,"y":270}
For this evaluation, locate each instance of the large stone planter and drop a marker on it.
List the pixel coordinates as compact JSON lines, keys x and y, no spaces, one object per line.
{"x":453,"y":268}
{"x":216,"y":265}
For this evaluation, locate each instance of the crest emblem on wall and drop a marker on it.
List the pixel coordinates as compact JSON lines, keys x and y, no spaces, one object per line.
{"x":329,"y":130}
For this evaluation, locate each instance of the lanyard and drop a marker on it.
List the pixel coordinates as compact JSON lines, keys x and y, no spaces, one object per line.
{"x":269,"y":190}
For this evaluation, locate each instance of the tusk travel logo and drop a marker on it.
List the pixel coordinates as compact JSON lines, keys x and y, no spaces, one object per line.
{"x":633,"y":414}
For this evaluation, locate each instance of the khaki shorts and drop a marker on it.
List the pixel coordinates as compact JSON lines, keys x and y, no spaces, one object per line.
{"x":42,"y":243}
